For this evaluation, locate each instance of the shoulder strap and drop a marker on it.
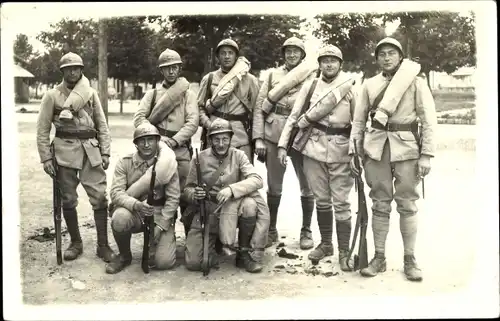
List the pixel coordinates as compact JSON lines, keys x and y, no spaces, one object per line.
{"x":152,"y":103}
{"x":215,"y":176}
{"x":209,"y":85}
{"x":379,"y":97}
{"x":270,"y":81}
{"x":309,"y":94}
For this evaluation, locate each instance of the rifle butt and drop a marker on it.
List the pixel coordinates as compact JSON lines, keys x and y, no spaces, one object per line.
{"x":145,"y":251}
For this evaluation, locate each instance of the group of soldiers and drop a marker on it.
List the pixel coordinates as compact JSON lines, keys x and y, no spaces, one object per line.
{"x":242,"y":119}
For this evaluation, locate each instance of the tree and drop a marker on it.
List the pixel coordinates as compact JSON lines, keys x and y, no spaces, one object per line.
{"x":22,"y":48}
{"x":443,"y":41}
{"x":356,"y":34}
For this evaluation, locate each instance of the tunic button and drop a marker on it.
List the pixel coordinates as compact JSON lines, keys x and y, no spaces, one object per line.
{"x":329,"y":138}
{"x":221,"y":174}
{"x":220,"y":162}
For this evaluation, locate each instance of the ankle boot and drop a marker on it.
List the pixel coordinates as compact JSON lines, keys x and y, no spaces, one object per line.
{"x":306,"y":240}
{"x":75,"y":249}
{"x":343,"y":237}
{"x":273,"y":202}
{"x":103,"y":250}
{"x":411,"y":269}
{"x":246,"y":228}
{"x":376,"y":265}
{"x":124,"y":259}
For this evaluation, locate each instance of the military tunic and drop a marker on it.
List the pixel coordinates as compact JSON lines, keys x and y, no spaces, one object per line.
{"x":326,"y":159}
{"x":247,"y":89}
{"x":390,"y":155}
{"x":182,"y":123}
{"x":269,"y":129}
{"x":79,"y":160}
{"x":127,"y":171}
{"x":241,"y":177}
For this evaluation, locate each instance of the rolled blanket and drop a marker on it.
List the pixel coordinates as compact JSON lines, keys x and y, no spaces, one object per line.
{"x":403,"y":78}
{"x":77,"y":98}
{"x":335,"y":91}
{"x":168,"y":100}
{"x":166,"y":166}
{"x":296,"y":76}
{"x":229,"y":81}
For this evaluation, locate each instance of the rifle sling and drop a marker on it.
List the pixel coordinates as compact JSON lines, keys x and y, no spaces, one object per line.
{"x":216,"y":175}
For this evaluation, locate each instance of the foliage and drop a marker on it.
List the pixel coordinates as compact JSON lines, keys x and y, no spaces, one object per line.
{"x":22,"y":48}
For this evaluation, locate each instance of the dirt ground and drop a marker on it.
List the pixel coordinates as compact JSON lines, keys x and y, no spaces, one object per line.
{"x":446,"y":248}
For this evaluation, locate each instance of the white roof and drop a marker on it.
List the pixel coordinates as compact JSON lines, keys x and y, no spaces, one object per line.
{"x":20,"y":72}
{"x":464,"y":71}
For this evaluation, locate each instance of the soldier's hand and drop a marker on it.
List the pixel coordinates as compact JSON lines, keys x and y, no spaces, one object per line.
{"x":144,"y":209}
{"x":260,"y":147}
{"x":424,"y":165}
{"x":224,"y":194}
{"x":302,"y":122}
{"x":282,"y":156}
{"x":105,"y":162}
{"x":48,"y":167}
{"x":199,"y":193}
{"x":170,"y":142}
{"x":354,"y":170}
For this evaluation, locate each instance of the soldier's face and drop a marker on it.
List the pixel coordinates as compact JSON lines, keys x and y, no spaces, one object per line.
{"x":329,"y":66}
{"x":227,"y":57}
{"x":293,"y":55}
{"x":388,"y":58}
{"x":221,"y":143}
{"x":147,"y":146}
{"x":72,"y":74}
{"x":171,"y":73}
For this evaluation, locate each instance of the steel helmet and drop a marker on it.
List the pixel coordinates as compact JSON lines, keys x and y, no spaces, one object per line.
{"x":294,"y":42}
{"x":169,"y":57}
{"x":389,"y":41}
{"x":219,"y":126}
{"x":70,"y":59}
{"x":332,"y":51}
{"x":146,"y":129}
{"x":228,"y":42}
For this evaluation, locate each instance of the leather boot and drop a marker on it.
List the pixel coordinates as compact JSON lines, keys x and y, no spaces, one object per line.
{"x":321,"y":251}
{"x":412,"y":271}
{"x":377,"y":265}
{"x":75,"y":249}
{"x":273,"y":202}
{"x":246,"y":228}
{"x":124,"y":259}
{"x":325,"y":222}
{"x":343,"y":237}
{"x":306,"y":240}
{"x":103,"y":250}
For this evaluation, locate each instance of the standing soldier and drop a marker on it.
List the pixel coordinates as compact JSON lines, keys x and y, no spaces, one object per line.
{"x":230,"y":93}
{"x":81,"y":148}
{"x":268,"y":125}
{"x":127,"y":199}
{"x":394,"y":99}
{"x":325,"y":129}
{"x":172,"y":108}
{"x":231,"y":182}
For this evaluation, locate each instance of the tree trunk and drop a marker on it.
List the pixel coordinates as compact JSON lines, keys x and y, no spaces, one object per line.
{"x":428,"y":76}
{"x":103,"y":67}
{"x":122,"y":94}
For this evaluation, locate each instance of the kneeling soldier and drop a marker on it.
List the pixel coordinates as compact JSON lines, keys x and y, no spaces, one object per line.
{"x":231,"y":182}
{"x":129,"y":192}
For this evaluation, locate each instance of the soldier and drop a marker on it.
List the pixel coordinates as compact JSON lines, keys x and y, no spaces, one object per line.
{"x":175,"y":113}
{"x":233,"y":102}
{"x":266,"y":132}
{"x":230,"y":181}
{"x":81,"y":147}
{"x":129,"y":211}
{"x":391,"y":148}
{"x":326,"y":160}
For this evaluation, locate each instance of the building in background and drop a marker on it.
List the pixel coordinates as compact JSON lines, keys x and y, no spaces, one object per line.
{"x":21,"y":80}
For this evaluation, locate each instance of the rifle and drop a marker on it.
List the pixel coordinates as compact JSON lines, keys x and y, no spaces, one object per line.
{"x":305,"y":107}
{"x":360,"y":260}
{"x":205,"y":221}
{"x":57,"y":205}
{"x":149,"y":225}
{"x":203,"y":137}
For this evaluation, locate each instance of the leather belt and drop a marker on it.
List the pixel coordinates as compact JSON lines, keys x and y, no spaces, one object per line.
{"x":171,"y":133}
{"x":229,"y":117}
{"x":281,"y":110}
{"x":411,"y":127}
{"x":332,"y":130}
{"x":80,"y":134}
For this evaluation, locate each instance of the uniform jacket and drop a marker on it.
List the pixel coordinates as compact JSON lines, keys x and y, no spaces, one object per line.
{"x":127,"y":171}
{"x":320,"y":146}
{"x":417,"y":101}
{"x":270,"y":127}
{"x":183,"y":119}
{"x":70,"y":151}
{"x":247,"y":88}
